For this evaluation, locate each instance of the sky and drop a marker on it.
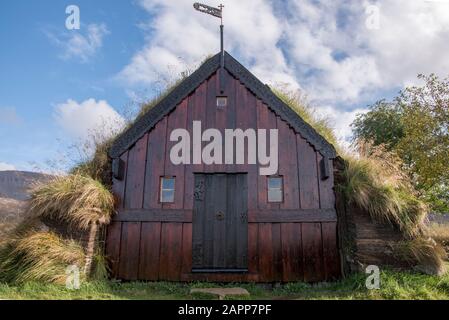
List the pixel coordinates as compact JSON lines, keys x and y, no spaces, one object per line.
{"x":60,"y":84}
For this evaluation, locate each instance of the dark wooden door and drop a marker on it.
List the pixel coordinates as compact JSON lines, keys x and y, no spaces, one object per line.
{"x":220,"y":223}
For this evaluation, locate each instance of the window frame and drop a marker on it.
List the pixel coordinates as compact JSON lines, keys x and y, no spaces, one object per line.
{"x":220,"y":106}
{"x":161,"y":189}
{"x":281,"y":189}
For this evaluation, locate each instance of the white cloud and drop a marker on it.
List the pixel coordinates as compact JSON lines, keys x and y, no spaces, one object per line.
{"x":6,"y":167}
{"x":80,"y":120}
{"x":340,"y":120}
{"x":82,"y":44}
{"x":183,"y":37}
{"x":322,"y":47}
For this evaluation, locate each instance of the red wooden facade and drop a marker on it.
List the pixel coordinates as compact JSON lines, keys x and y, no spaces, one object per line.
{"x":295,"y":240}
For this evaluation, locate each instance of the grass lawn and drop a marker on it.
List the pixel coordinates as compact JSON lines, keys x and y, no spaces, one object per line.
{"x":394,"y":285}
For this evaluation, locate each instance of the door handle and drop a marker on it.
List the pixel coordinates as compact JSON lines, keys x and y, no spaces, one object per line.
{"x":219,"y":215}
{"x":244,"y":216}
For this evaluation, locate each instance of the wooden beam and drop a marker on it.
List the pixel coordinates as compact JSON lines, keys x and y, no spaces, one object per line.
{"x":254,"y":216}
{"x":154,"y":215}
{"x":300,"y":215}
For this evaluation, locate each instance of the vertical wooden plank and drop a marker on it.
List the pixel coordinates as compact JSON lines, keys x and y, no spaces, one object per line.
{"x":277,"y":251}
{"x":307,"y":175}
{"x":231,"y":112}
{"x":211,"y":108}
{"x":288,"y":168}
{"x":113,"y":247}
{"x":155,"y":164}
{"x":164,"y":256}
{"x":266,"y":119}
{"x":298,"y":255}
{"x":241,"y":221}
{"x":250,"y":122}
{"x":129,"y":251}
{"x":186,"y":248}
{"x":221,"y":120}
{"x":219,"y":197}
{"x":291,"y":252}
{"x":265,"y":252}
{"x":312,"y":252}
{"x":330,"y":251}
{"x":170,"y":262}
{"x":231,"y":242}
{"x":149,"y":251}
{"x":242,"y":115}
{"x":198,"y":220}
{"x":176,"y":120}
{"x":188,"y":170}
{"x":118,"y":186}
{"x":253,"y":255}
{"x":287,"y":255}
{"x":196,"y":112}
{"x":199,"y":113}
{"x":327,"y":196}
{"x":208,"y":223}
{"x":136,"y":174}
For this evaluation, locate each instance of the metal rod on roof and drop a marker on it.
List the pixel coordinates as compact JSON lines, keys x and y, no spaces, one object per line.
{"x":216,"y":12}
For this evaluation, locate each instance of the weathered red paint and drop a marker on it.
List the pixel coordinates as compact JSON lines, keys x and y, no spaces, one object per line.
{"x":278,"y":250}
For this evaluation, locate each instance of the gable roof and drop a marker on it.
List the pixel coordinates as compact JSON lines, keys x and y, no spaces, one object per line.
{"x":186,"y":87}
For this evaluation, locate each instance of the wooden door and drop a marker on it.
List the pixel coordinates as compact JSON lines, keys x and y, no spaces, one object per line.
{"x":220,"y":223}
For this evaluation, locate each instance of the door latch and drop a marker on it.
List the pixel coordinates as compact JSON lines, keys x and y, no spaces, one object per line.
{"x":219,"y":215}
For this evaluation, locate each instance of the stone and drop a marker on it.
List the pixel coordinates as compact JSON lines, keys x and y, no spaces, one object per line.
{"x":221,"y":292}
{"x":431,"y":270}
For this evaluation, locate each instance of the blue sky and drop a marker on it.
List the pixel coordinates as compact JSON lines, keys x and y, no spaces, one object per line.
{"x":34,"y":78}
{"x":57,"y":84}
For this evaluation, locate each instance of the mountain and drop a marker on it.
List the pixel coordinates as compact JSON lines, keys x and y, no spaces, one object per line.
{"x":15,"y":187}
{"x":17,"y":184}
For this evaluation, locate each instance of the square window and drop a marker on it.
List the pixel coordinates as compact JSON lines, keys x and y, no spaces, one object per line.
{"x":222,"y":102}
{"x":167,"y":192}
{"x":275,"y":189}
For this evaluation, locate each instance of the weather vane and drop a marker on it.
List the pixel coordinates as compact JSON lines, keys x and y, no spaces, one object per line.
{"x":216,"y":12}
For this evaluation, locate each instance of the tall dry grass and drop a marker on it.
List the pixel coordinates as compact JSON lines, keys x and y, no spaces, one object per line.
{"x":375,"y":182}
{"x":429,"y":254}
{"x":99,"y":165}
{"x":76,"y":199}
{"x":439,"y":232}
{"x":38,"y":256}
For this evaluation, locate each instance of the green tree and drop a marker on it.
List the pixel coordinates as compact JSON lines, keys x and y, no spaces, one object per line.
{"x":381,"y":125}
{"x":416,"y":126}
